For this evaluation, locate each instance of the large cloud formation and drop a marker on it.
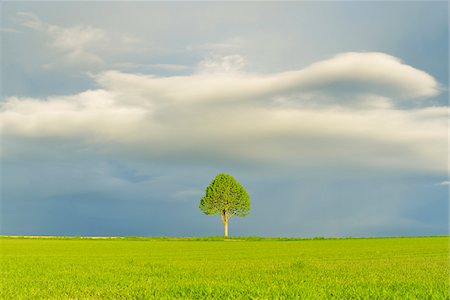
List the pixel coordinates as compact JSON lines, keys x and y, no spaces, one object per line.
{"x":355,"y":109}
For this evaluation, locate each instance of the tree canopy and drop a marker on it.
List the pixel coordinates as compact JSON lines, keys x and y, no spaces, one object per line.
{"x":227,"y":197}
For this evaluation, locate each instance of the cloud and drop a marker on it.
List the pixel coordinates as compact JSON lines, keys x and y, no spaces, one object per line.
{"x":30,"y":20}
{"x":165,"y":67}
{"x":351,"y":75}
{"x":222,"y":64}
{"x":291,"y":119}
{"x":9,"y":30}
{"x":79,"y":45}
{"x":371,"y":72}
{"x":232,"y":44}
{"x":75,"y":44}
{"x":169,"y":67}
{"x":444,"y":183}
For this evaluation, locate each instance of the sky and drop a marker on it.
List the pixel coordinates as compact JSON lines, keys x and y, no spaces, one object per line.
{"x":116,"y":116}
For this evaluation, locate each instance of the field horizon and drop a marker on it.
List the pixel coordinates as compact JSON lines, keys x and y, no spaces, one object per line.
{"x":214,"y":237}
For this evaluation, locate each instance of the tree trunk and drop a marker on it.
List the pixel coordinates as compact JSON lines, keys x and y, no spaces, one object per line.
{"x":225,"y":228}
{"x":225,"y":217}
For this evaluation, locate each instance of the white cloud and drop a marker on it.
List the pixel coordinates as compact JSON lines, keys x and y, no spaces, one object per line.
{"x":445,"y":183}
{"x":370,"y":72}
{"x":30,"y":20}
{"x":339,"y":80}
{"x":166,"y":67}
{"x":75,"y":44}
{"x":232,"y":44}
{"x":9,"y":30}
{"x":71,"y":117}
{"x":79,"y":45}
{"x":222,"y":64}
{"x":243,"y":117}
{"x":169,"y":67}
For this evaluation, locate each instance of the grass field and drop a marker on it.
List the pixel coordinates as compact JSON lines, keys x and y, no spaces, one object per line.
{"x":392,"y":268}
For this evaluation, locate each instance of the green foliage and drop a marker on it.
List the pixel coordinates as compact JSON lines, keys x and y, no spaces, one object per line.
{"x":225,"y":196}
{"x":140,"y":268}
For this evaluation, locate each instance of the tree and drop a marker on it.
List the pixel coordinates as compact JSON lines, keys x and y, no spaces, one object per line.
{"x":227,"y":197}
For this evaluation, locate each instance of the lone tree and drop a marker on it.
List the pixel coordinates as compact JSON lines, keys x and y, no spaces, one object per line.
{"x":227,"y":197}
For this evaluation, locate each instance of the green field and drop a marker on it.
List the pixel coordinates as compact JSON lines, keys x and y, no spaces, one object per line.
{"x":391,"y":268}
